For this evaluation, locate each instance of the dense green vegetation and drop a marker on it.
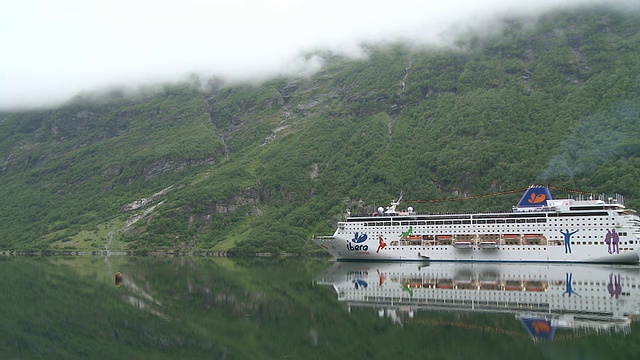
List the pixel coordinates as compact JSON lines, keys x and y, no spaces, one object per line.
{"x":260,"y":168}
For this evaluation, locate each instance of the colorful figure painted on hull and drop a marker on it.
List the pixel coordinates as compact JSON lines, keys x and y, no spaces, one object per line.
{"x":409,"y":232}
{"x":614,"y":287}
{"x":568,"y":286}
{"x":567,"y":240}
{"x":615,"y":241}
{"x":381,"y":243}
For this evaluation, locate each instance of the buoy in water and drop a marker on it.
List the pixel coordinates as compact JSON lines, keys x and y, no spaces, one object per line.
{"x":118,"y":279}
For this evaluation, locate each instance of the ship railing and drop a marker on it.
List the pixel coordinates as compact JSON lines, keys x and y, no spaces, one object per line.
{"x":514,"y":208}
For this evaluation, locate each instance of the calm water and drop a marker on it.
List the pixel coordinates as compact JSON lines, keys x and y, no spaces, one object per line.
{"x":301,"y":308}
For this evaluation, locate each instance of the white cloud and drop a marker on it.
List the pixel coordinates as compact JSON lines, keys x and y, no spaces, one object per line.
{"x":52,"y":50}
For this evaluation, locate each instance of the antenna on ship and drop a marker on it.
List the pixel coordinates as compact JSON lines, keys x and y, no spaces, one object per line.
{"x":392,"y":209}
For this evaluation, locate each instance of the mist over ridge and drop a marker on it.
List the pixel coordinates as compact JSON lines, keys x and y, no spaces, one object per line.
{"x":58,"y":51}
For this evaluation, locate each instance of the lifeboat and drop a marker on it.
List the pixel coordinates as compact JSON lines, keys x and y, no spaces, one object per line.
{"x":511,"y":239}
{"x":463,"y":244}
{"x":444,"y":284}
{"x":533,"y":236}
{"x":533,"y":239}
{"x":488,"y":244}
{"x":535,"y":286}
{"x":513,"y":286}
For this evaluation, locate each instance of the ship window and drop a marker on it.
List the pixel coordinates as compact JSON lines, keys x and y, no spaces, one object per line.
{"x":404,"y":223}
{"x":500,"y":221}
{"x":448,"y":222}
{"x":431,"y":222}
{"x":466,"y":221}
{"x":481,"y":221}
{"x":511,"y":221}
{"x":491,"y":221}
{"x":521,"y":220}
{"x":584,"y":214}
{"x":574,"y":208}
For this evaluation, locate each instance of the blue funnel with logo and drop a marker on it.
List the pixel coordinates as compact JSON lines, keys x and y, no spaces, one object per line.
{"x":535,"y":196}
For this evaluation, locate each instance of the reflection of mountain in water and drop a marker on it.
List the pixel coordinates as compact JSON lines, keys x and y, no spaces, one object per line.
{"x":542,"y":297}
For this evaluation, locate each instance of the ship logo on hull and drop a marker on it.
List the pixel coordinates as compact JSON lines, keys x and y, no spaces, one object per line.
{"x":356,"y":244}
{"x":359,"y":238}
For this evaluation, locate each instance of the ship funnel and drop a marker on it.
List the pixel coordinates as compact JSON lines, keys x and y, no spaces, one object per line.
{"x":535,"y":196}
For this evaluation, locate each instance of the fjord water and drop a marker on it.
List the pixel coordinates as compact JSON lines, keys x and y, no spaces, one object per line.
{"x":253,"y":308}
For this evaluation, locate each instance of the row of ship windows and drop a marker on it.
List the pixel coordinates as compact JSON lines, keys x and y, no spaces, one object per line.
{"x":460,"y":222}
{"x":465,"y":295}
{"x":508,"y":226}
{"x":526,"y":277}
{"x":622,"y":234}
{"x":506,"y":277}
{"x":502,"y":294}
{"x":511,"y":247}
{"x":593,"y":287}
{"x":589,"y":237}
{"x":449,"y":247}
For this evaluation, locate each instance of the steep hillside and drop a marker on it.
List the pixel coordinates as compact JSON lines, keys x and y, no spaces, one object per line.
{"x":208,"y":166}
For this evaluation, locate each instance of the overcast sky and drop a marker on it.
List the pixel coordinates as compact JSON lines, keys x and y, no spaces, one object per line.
{"x":52,"y":49}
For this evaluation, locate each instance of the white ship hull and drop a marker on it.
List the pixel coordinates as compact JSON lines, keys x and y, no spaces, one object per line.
{"x":567,"y":230}
{"x":340,"y":248}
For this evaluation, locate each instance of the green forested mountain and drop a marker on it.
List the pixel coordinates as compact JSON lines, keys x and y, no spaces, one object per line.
{"x":207,"y":165}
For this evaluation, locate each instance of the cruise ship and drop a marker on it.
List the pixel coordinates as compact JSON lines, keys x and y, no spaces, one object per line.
{"x":592,"y":228}
{"x":543,"y":297}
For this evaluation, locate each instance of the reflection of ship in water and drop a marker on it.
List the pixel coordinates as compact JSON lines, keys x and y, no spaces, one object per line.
{"x":543,"y":297}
